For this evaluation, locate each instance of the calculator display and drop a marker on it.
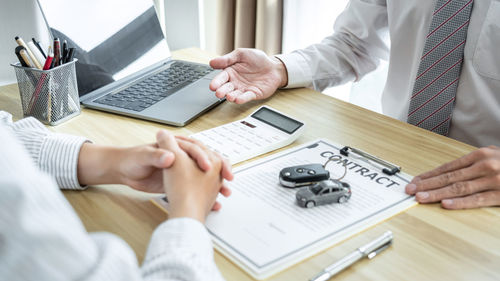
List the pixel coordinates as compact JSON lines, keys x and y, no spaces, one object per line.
{"x":277,"y":120}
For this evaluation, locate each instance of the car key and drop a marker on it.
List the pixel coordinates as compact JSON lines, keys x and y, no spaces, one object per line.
{"x":302,"y":175}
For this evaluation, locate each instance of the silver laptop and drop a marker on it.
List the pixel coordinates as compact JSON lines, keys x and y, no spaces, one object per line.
{"x":124,"y":63}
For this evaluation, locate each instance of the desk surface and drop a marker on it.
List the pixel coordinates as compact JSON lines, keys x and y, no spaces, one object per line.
{"x":429,"y":243}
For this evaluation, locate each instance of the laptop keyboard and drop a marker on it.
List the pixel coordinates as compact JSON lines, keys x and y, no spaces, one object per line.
{"x":155,"y":88}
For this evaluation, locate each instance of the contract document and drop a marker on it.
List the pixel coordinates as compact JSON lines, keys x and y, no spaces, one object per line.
{"x":263,"y":230}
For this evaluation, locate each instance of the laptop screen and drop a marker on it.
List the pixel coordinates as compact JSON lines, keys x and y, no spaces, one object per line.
{"x":113,"y":38}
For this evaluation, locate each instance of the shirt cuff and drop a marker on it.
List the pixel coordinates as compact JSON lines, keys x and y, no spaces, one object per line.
{"x":59,"y":158}
{"x":299,"y":72}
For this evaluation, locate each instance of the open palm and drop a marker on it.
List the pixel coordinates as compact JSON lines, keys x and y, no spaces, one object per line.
{"x":248,"y":74}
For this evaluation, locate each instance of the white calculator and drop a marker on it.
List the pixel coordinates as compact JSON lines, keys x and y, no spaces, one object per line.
{"x":264,"y":130}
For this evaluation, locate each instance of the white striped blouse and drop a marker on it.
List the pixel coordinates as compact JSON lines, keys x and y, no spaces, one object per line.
{"x":42,"y":238}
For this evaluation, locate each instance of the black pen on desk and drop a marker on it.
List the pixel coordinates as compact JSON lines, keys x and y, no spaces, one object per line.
{"x":37,"y":44}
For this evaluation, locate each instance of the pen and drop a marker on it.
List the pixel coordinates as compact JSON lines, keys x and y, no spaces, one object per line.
{"x":71,"y":53}
{"x":57,"y":52}
{"x":37,"y":44}
{"x":64,"y":57}
{"x":369,"y":250}
{"x":20,"y":42}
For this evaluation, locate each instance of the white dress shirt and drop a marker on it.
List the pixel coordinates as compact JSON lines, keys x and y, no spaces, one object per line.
{"x":42,"y":238}
{"x":357,"y":45}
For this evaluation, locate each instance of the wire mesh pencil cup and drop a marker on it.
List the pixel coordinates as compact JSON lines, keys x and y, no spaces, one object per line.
{"x":50,"y":96}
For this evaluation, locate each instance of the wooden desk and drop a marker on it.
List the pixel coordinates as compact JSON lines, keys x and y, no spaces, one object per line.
{"x":430,"y":243}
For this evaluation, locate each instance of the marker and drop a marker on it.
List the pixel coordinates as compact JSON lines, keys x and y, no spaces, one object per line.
{"x":37,"y":44}
{"x":20,"y":42}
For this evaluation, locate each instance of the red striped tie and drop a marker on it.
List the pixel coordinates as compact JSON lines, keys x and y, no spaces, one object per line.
{"x":436,"y":84}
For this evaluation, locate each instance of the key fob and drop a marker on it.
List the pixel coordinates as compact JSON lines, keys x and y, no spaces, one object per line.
{"x":302,"y":175}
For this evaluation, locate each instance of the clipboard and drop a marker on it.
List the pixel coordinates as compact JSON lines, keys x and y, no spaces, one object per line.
{"x":262,"y":229}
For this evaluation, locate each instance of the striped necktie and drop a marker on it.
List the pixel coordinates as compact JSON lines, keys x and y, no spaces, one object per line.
{"x":433,"y":95}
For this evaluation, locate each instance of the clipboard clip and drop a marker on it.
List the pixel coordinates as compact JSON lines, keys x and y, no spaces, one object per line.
{"x":389,"y":168}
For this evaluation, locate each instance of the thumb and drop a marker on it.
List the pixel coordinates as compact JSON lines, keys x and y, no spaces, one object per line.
{"x":167,"y":141}
{"x":159,"y":158}
{"x":226,"y":60}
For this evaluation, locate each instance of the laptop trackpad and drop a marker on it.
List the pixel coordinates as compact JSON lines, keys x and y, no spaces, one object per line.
{"x":184,"y":104}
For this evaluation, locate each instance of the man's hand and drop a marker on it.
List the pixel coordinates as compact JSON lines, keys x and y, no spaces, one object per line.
{"x":248,"y":74}
{"x":471,"y":181}
{"x":190,"y":190}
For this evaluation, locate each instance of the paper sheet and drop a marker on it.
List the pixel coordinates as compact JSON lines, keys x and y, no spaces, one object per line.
{"x":261,"y":227}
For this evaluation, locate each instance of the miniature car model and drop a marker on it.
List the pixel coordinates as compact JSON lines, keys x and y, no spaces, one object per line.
{"x":323,"y":192}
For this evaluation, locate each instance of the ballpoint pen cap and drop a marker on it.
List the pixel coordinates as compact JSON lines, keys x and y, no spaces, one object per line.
{"x":379,"y":243}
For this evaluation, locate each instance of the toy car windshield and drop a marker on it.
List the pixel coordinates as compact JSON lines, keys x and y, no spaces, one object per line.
{"x":316,"y":189}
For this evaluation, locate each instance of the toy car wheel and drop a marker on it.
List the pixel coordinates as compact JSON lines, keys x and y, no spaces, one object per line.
{"x":310,"y":204}
{"x":343,"y":199}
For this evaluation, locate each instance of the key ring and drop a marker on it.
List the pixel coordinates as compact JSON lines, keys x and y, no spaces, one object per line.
{"x":335,"y":158}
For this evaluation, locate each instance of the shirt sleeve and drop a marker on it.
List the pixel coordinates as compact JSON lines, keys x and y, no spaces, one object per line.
{"x":353,"y":50}
{"x":40,"y":231}
{"x":180,"y":249}
{"x":53,"y":153}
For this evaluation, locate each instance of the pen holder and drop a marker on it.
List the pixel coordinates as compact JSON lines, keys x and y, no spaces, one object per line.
{"x":50,"y":96}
